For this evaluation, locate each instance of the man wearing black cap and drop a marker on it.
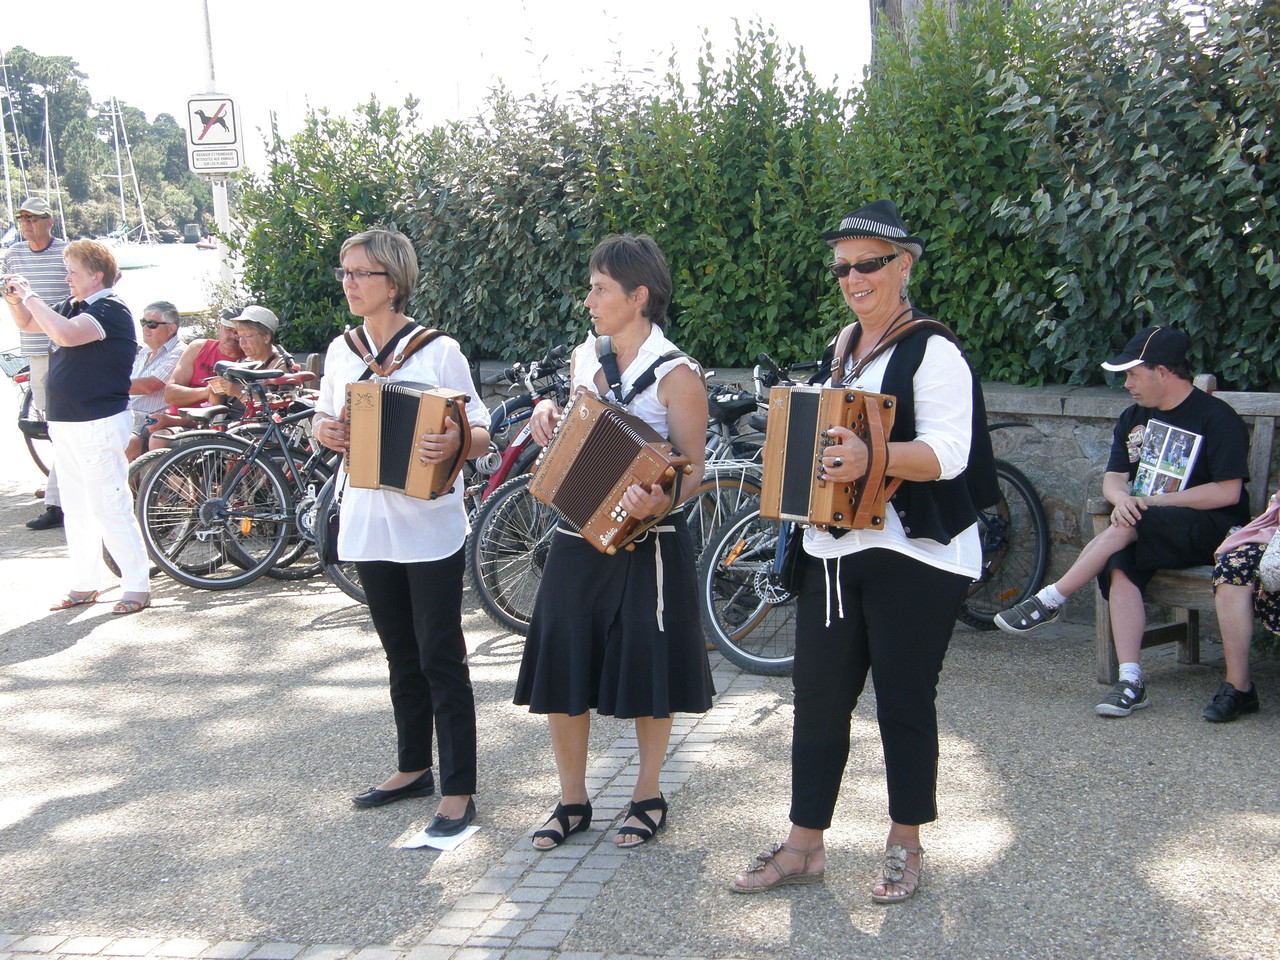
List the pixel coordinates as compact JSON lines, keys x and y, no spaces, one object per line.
{"x":1153,"y":530}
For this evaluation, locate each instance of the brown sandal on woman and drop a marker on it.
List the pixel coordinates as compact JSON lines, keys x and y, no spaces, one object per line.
{"x":758,"y":882}
{"x":893,"y":873}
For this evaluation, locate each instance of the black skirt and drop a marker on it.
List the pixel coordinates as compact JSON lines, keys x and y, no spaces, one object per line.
{"x":620,"y":634}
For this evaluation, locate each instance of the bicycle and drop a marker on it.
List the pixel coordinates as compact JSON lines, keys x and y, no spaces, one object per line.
{"x":31,"y":421}
{"x":512,"y":530}
{"x":220,"y":511}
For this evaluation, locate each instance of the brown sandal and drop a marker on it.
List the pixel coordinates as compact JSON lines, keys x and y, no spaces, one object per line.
{"x":893,"y":872}
{"x":755,"y":876}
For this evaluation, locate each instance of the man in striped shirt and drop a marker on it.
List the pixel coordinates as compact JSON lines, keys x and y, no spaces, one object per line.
{"x":39,"y":259}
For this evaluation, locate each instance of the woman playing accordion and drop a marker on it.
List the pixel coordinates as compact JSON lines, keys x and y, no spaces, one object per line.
{"x":621,"y":633}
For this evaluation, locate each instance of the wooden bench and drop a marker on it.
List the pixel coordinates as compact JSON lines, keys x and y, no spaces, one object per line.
{"x":1189,"y":592}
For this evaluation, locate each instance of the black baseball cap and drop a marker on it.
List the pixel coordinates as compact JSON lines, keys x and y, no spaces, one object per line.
{"x":1162,"y":345}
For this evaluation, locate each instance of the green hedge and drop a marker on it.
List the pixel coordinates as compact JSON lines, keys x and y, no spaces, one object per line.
{"x":1078,"y":171}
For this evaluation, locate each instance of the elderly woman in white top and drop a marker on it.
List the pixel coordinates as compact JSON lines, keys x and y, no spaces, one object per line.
{"x":409,"y":551}
{"x":621,"y":633}
{"x":884,"y":600}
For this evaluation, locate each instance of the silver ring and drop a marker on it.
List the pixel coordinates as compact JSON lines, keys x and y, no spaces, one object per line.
{"x":837,"y":462}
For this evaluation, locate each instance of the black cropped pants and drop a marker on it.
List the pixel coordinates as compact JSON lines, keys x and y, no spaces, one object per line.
{"x":417,"y":611}
{"x":898,"y":617}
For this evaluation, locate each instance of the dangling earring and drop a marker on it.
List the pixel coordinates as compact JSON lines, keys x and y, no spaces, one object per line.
{"x":902,"y":296}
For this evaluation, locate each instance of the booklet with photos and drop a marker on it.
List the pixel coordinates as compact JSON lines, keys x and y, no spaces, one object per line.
{"x":1165,"y":462}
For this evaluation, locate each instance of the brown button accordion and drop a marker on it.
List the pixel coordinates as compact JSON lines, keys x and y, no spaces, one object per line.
{"x":599,"y":450}
{"x":795,"y":439}
{"x":386,"y":418}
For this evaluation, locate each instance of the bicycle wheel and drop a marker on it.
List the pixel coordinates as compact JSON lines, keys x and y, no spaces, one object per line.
{"x":300,"y":561}
{"x":344,"y":575}
{"x":748,"y":616}
{"x":718,"y":497}
{"x":139,"y":470}
{"x":211,"y":518}
{"x":1015,"y":550}
{"x":506,"y":552}
{"x":36,"y":433}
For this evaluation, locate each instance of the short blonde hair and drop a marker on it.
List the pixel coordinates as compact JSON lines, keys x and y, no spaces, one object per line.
{"x":95,"y":257}
{"x":393,"y":252}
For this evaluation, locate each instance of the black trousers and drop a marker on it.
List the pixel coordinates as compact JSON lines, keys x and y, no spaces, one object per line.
{"x":417,"y":611}
{"x":898,"y":618}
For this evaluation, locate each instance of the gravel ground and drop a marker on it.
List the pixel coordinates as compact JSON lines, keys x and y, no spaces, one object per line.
{"x":185,"y":773}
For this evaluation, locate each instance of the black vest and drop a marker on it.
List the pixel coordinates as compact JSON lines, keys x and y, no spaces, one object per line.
{"x":938,"y":509}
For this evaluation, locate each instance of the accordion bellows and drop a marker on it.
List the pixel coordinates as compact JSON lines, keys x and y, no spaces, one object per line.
{"x":599,"y":450}
{"x":386,"y":418}
{"x":795,"y":439}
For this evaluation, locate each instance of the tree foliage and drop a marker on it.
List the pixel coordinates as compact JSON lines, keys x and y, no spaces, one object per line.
{"x":334,"y":178}
{"x":84,"y":161}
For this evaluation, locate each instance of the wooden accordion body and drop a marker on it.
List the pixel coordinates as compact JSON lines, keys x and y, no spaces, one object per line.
{"x":599,"y":450}
{"x":386,"y":418}
{"x":794,"y":442}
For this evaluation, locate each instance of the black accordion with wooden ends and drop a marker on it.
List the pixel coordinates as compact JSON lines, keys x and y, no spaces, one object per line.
{"x":795,"y":439}
{"x":599,"y":450}
{"x":386,"y":418}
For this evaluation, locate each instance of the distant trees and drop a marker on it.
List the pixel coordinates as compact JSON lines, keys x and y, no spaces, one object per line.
{"x":82,"y":154}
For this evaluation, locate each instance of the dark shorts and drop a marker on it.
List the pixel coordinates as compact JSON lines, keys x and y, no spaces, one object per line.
{"x":1169,"y":538}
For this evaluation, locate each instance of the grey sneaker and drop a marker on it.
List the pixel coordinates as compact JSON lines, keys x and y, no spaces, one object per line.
{"x":1123,"y":699}
{"x":1026,"y":616}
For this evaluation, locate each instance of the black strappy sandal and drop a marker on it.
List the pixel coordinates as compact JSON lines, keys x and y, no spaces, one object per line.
{"x":561,"y":816}
{"x":640,"y":810}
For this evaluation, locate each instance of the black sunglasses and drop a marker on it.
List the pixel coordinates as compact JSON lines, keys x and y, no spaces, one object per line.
{"x":152,"y":324}
{"x":842,"y":270}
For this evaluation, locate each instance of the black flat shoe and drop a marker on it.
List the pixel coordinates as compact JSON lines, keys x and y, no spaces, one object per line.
{"x":441,"y":826}
{"x":424,"y":786}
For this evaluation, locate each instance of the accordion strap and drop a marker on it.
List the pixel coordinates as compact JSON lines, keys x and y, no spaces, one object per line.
{"x":415,"y":338}
{"x":644,"y":528}
{"x":877,"y":441}
{"x":847,"y":336}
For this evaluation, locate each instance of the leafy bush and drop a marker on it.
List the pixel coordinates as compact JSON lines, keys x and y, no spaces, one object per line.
{"x":334,"y":178}
{"x":1156,"y":152}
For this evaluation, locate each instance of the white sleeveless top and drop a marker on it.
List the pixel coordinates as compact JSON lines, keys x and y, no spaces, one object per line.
{"x":646,"y":405}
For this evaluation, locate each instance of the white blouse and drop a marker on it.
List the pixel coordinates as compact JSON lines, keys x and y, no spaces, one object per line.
{"x":382,"y":524}
{"x":646,"y":405}
{"x":944,"y":420}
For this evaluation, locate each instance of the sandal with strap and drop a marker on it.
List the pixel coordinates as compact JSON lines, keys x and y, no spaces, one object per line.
{"x":893,"y":873}
{"x":640,"y":810}
{"x":67,"y":602}
{"x":561,"y":817}
{"x":125,"y":607}
{"x":758,"y":883}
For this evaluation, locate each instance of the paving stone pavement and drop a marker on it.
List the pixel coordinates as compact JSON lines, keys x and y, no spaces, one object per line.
{"x":176,"y":784}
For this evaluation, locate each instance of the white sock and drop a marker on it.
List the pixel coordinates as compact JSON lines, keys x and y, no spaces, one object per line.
{"x":1050,"y":596}
{"x":1131,"y":673}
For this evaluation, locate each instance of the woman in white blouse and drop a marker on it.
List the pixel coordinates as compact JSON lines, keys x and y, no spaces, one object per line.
{"x":408,"y":551}
{"x":885,"y":600}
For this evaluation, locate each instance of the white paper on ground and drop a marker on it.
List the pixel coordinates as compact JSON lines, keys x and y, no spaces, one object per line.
{"x":420,"y":839}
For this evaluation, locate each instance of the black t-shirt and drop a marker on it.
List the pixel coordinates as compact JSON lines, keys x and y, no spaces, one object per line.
{"x":1223,"y":454}
{"x":91,"y":381}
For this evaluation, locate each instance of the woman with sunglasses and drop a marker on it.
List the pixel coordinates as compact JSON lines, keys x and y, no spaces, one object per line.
{"x":408,"y":551}
{"x":884,"y":600}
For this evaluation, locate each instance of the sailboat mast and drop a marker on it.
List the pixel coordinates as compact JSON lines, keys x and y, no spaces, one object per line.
{"x":13,"y":119}
{"x":145,"y":236}
{"x":52,"y":164}
{"x":4,"y":160}
{"x":115,"y":139}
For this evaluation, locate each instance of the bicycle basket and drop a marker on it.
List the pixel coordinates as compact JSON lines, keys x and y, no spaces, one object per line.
{"x":13,"y":364}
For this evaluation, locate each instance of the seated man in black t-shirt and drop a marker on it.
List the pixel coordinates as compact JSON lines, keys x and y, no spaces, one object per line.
{"x":1152,"y":529}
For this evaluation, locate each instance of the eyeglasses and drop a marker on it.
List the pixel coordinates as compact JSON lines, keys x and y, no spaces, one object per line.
{"x":28,"y":218}
{"x":341,"y":274}
{"x":152,"y":324}
{"x":249,"y":336}
{"x":842,"y":270}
